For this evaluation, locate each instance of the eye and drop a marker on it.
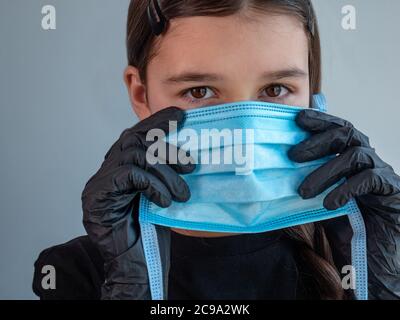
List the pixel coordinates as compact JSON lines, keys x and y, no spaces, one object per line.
{"x":276,"y":91}
{"x":198,"y":93}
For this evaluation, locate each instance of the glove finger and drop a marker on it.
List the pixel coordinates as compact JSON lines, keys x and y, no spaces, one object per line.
{"x":317,"y":121}
{"x":367,"y":181}
{"x":179,"y":159}
{"x":106,"y":195}
{"x":157,"y":193}
{"x":327,"y":143}
{"x":129,"y":179}
{"x":163,"y":153}
{"x":351,"y":162}
{"x":177,"y":187}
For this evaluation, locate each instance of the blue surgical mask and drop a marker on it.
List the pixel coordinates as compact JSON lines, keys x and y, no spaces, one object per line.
{"x":256,"y":189}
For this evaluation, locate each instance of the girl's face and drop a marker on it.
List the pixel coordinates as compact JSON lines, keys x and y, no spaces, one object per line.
{"x":213,"y":60}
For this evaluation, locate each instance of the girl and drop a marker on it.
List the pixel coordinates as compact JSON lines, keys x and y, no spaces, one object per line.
{"x":196,"y":53}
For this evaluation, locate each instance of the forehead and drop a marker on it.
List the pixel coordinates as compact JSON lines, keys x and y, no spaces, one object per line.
{"x":265,"y":42}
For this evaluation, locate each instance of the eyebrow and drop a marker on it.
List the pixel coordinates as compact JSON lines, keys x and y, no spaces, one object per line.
{"x":193,"y":77}
{"x":283,"y":74}
{"x":212,"y":77}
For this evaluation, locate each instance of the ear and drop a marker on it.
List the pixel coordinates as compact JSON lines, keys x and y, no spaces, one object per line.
{"x":137,"y":92}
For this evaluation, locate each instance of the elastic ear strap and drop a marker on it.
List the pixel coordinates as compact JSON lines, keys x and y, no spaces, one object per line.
{"x":359,"y":239}
{"x":153,"y":260}
{"x":319,"y":102}
{"x":359,"y":258}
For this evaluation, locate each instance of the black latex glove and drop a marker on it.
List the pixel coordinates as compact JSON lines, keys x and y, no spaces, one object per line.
{"x":370,"y":180}
{"x":107,"y":199}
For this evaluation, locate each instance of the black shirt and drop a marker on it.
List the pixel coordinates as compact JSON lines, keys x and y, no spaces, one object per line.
{"x":248,"y":266}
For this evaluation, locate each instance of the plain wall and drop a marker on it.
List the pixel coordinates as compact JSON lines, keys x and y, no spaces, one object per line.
{"x":63,"y":103}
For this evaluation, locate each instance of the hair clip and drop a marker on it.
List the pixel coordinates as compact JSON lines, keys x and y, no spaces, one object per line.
{"x":157,"y":20}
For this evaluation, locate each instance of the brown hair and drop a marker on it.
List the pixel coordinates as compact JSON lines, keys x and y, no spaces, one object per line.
{"x":310,"y":239}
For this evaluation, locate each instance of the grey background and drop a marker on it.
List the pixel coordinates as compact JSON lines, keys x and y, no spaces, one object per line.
{"x":63,"y":103}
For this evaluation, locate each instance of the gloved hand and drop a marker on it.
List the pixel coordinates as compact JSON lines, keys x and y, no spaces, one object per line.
{"x":369,"y":179}
{"x":108,"y":196}
{"x":372,"y":183}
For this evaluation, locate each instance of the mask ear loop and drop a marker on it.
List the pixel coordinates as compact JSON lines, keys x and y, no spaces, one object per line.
{"x":319,"y":102}
{"x":151,"y":250}
{"x":157,"y":20}
{"x":359,"y":257}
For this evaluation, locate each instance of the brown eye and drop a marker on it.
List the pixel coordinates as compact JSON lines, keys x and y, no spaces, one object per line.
{"x":198,"y":93}
{"x":274,"y":91}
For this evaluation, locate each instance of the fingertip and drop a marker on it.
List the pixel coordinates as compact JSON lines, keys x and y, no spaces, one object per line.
{"x":293,"y":154}
{"x":174,"y":109}
{"x":303,"y":113}
{"x":311,"y":113}
{"x":183,"y":168}
{"x":309,"y":119}
{"x":330,"y":205}
{"x":184,"y":197}
{"x":182,"y":194}
{"x":163,"y":201}
{"x":175,"y":113}
{"x":305,"y":193}
{"x":187,"y":168}
{"x":302,"y":116}
{"x":160,"y":197}
{"x":334,"y":201}
{"x":297,"y":154}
